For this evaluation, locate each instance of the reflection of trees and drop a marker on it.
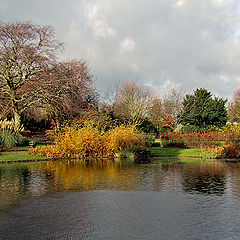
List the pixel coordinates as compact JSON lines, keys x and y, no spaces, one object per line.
{"x":234,"y":180}
{"x":77,"y":176}
{"x":206,"y":177}
{"x":20,"y":180}
{"x":13,"y":183}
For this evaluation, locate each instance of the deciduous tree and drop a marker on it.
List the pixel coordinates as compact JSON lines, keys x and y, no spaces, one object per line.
{"x":234,"y":107}
{"x":26,"y":51}
{"x":156,"y":114}
{"x":70,"y":90}
{"x":172,"y":104}
{"x":33,"y":82}
{"x":133,"y":102}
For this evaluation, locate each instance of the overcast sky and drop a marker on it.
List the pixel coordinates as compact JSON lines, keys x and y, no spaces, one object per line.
{"x":190,"y":43}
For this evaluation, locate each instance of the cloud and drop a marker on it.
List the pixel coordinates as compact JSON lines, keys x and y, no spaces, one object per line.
{"x":179,"y":3}
{"x":191,"y":43}
{"x":128,"y":45}
{"x":97,"y":22}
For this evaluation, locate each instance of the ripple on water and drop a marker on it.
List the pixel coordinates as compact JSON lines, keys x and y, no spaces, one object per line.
{"x":72,"y":200}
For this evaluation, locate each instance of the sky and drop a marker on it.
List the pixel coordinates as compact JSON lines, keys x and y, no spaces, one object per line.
{"x":157,"y":43}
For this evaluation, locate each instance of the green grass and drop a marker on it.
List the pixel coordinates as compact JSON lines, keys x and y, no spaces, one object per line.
{"x":175,"y":152}
{"x":19,"y":157}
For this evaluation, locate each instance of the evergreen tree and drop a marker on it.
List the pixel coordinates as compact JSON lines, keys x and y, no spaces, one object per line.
{"x":203,"y":110}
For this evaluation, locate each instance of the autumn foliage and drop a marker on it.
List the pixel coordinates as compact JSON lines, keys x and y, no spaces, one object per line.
{"x":90,"y":141}
{"x":231,"y":146}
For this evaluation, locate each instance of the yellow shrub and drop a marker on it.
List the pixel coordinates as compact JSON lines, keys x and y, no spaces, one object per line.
{"x":213,"y":152}
{"x":232,"y":140}
{"x":122,"y":138}
{"x":90,"y":141}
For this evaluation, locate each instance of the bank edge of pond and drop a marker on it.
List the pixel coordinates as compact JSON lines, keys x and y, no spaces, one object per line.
{"x":178,"y":153}
{"x":157,"y":152}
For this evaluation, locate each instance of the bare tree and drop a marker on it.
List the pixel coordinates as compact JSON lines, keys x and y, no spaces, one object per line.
{"x":234,"y":107}
{"x":32,"y":81}
{"x":70,"y":90}
{"x":173,"y":104}
{"x":109,"y":97}
{"x":133,"y":102}
{"x":26,"y":51}
{"x":156,"y":115}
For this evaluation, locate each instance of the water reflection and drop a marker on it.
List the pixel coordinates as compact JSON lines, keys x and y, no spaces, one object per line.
{"x":207,"y":178}
{"x":14,"y":183}
{"x":167,"y":199}
{"x":18,"y":181}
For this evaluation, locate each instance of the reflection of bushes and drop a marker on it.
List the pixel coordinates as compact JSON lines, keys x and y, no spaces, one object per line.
{"x":90,"y":141}
{"x":77,"y":175}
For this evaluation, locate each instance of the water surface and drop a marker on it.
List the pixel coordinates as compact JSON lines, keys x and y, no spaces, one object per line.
{"x":167,"y":199}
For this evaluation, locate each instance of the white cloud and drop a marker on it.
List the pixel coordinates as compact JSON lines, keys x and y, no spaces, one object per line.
{"x":127,"y":45}
{"x":195,"y":43}
{"x":237,"y":79}
{"x":98,"y":22}
{"x":225,"y":78}
{"x":179,"y":3}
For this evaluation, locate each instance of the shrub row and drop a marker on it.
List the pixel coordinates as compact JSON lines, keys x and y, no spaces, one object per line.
{"x":89,"y":141}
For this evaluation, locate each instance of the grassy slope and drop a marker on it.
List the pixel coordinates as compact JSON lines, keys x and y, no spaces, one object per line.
{"x":175,"y":152}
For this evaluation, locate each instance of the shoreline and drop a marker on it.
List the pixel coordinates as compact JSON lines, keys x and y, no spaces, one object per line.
{"x":22,"y":156}
{"x":154,"y":157}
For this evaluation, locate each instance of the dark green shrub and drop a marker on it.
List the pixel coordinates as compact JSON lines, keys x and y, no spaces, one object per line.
{"x":148,"y":127}
{"x":191,"y":129}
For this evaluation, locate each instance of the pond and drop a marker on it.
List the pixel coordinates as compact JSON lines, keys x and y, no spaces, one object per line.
{"x":166,"y":199}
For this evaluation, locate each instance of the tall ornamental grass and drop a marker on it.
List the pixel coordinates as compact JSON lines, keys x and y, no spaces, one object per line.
{"x":10,"y":134}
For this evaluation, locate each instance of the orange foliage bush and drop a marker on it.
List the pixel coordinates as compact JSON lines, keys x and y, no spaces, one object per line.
{"x":88,"y":140}
{"x":231,"y":146}
{"x":212,"y":152}
{"x":122,"y":138}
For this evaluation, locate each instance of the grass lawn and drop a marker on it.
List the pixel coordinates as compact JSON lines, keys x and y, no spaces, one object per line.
{"x":19,"y":157}
{"x":175,"y":152}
